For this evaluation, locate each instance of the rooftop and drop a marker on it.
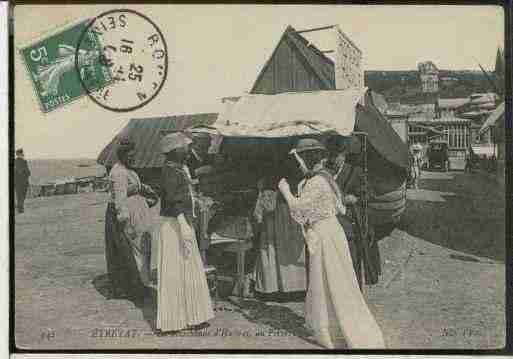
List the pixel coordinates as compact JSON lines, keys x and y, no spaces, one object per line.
{"x":452,"y":103}
{"x":443,"y":120}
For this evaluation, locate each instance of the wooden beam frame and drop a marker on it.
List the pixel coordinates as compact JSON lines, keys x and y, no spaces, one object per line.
{"x":315,"y":29}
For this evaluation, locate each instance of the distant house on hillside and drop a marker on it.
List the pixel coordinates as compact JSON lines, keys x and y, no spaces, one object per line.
{"x":428,"y":73}
{"x":405,"y":86}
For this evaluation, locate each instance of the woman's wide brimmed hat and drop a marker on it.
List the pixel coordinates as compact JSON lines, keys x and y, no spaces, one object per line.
{"x":125,"y":145}
{"x":173,"y":141}
{"x":308,"y":144}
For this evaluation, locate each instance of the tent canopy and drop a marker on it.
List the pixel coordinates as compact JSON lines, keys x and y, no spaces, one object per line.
{"x":381,"y":135}
{"x":290,"y":114}
{"x":255,"y":122}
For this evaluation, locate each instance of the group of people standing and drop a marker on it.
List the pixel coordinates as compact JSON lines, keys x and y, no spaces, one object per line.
{"x":335,"y":308}
{"x":183,"y":298}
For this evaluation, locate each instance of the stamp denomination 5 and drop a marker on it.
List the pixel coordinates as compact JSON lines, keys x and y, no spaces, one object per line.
{"x":50,"y":64}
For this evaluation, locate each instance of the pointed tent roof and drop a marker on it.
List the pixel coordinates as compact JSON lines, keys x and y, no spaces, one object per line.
{"x":319,"y":64}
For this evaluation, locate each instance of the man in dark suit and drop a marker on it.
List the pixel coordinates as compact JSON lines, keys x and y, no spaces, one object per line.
{"x":21,"y":179}
{"x":364,"y":250}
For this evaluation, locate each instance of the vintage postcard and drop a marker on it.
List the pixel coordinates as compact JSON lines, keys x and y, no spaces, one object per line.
{"x":258,"y":177}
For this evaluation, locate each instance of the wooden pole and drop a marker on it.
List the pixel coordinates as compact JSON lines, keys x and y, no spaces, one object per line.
{"x":315,"y":29}
{"x":364,"y":183}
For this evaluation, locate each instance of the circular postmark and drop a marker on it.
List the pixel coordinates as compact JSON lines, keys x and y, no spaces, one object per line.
{"x":121,"y":60}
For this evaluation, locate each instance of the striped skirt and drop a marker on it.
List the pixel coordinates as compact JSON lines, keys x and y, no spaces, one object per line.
{"x":183,"y":294}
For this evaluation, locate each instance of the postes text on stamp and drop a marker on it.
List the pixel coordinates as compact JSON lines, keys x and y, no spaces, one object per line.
{"x":51,"y":66}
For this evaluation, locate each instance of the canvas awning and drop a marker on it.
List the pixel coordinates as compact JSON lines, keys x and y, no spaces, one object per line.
{"x":291,"y":114}
{"x":256,"y":121}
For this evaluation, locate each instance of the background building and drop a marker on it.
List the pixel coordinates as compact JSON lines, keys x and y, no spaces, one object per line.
{"x":428,"y":77}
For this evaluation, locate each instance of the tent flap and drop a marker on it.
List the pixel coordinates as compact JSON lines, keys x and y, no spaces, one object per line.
{"x":381,"y":135}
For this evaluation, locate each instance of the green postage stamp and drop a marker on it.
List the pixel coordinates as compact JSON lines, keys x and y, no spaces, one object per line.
{"x":51,"y":65}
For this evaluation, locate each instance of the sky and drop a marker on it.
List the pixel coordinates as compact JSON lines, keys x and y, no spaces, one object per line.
{"x":218,"y":50}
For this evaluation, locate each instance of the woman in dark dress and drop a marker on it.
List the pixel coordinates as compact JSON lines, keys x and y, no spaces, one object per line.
{"x":128,"y":227}
{"x":280,"y":262}
{"x":183,"y":294}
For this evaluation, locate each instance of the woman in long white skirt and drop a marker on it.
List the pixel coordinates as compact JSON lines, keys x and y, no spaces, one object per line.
{"x":183,"y":294}
{"x":335,"y":309}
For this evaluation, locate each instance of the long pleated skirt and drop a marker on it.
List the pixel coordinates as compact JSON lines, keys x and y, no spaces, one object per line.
{"x":183,"y":293}
{"x":335,"y":309}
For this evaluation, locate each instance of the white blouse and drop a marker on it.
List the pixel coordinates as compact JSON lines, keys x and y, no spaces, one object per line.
{"x":123,"y":183}
{"x":316,"y":201}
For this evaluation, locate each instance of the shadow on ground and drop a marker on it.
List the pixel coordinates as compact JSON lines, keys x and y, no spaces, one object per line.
{"x":102,"y":285}
{"x":459,"y":211}
{"x":148,"y":306}
{"x":298,"y":297}
{"x":278,"y":317}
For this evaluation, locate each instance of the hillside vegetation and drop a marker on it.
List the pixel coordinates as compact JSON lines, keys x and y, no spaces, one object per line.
{"x":404,"y":86}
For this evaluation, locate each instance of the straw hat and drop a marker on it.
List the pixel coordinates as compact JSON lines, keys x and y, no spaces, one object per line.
{"x":173,"y":141}
{"x":307,"y":144}
{"x":124,"y":146}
